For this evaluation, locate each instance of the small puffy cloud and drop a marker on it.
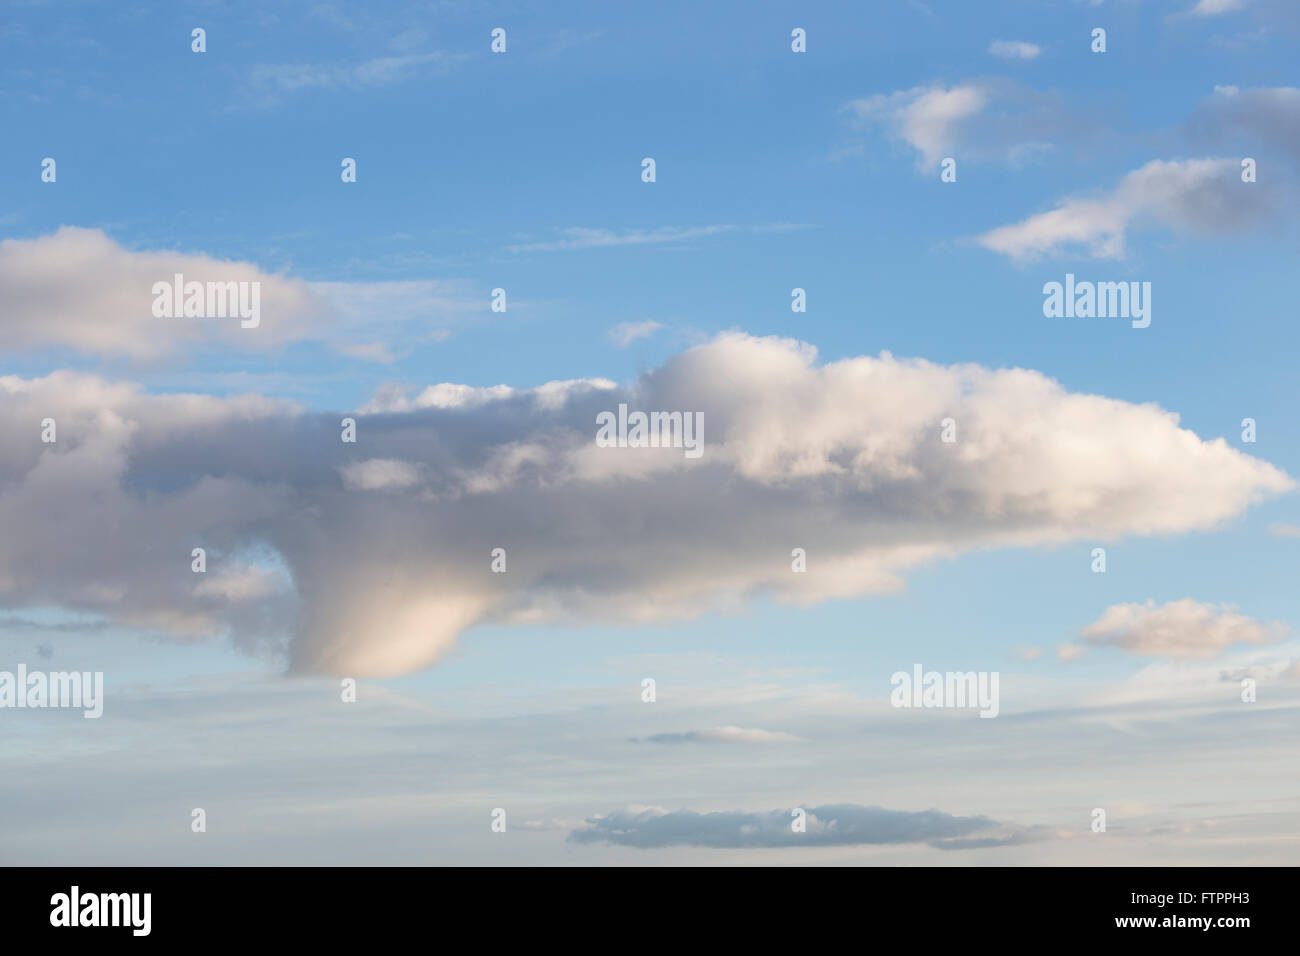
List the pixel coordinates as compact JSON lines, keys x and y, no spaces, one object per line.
{"x":930,"y":120}
{"x":1185,"y":628}
{"x":838,"y":825}
{"x":988,"y":120}
{"x":1014,"y":49}
{"x":1197,"y":196}
{"x":1285,"y":530}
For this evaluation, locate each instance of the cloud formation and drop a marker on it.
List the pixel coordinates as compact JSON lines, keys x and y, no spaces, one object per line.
{"x":78,"y":289}
{"x":625,"y":333}
{"x":268,"y":83}
{"x":1185,"y":628}
{"x":930,"y":120}
{"x":1196,"y":196}
{"x":1267,"y":116}
{"x":834,"y":825}
{"x":385,"y":543}
{"x":983,"y":120}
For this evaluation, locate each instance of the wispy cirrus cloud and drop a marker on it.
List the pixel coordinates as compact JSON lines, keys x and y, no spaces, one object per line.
{"x":269,"y":83}
{"x":1014,"y":50}
{"x":625,"y":333}
{"x":581,"y":237}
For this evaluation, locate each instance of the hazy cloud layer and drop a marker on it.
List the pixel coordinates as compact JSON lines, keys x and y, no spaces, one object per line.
{"x":269,"y":83}
{"x":1214,"y":8}
{"x":380,"y":550}
{"x":728,"y":734}
{"x":1253,"y":117}
{"x":838,"y":825}
{"x":1014,"y":49}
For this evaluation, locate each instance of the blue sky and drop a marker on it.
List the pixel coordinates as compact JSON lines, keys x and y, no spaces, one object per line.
{"x":774,"y":170}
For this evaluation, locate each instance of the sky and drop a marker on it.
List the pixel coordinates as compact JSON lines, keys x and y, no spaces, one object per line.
{"x":921,"y":171}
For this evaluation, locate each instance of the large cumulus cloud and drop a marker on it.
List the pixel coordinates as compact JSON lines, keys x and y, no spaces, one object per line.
{"x":369,"y":558}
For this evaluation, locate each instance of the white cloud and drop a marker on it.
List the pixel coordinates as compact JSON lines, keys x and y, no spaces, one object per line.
{"x":987,"y":120}
{"x":78,"y":289}
{"x":1184,"y":628}
{"x":929,"y":119}
{"x":1199,"y":196}
{"x":843,"y":459}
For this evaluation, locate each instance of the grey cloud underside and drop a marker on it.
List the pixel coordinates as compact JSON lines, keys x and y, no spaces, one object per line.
{"x":835,"y":825}
{"x":368,"y":559}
